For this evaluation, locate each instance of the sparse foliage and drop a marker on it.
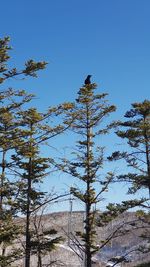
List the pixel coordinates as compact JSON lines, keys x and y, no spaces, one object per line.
{"x":89,"y":111}
{"x":136,"y":131}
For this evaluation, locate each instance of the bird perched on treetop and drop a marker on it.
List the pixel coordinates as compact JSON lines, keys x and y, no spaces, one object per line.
{"x":87,"y":80}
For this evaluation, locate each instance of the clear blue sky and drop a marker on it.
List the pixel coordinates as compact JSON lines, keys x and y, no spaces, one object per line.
{"x":109,"y":39}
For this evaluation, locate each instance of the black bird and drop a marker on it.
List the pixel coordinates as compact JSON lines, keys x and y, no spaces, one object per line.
{"x":87,"y":80}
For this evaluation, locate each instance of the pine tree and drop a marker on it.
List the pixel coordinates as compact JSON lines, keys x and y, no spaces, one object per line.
{"x":30,"y":69}
{"x":21,"y":134}
{"x":136,"y":131}
{"x":88,"y":113}
{"x":31,"y":169}
{"x":11,"y":102}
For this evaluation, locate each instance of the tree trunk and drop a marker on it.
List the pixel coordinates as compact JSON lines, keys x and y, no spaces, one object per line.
{"x":87,"y":238}
{"x":39,"y":259}
{"x":28,"y":237}
{"x":88,"y":203}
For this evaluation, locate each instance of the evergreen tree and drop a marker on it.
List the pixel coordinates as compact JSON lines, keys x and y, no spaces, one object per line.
{"x":31,"y":169}
{"x":11,"y":102}
{"x":88,"y":113}
{"x":30,"y":69}
{"x":136,"y":131}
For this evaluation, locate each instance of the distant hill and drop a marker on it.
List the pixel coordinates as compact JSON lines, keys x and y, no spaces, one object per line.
{"x":68,"y":223}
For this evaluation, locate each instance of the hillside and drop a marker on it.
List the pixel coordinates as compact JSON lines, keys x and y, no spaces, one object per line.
{"x":67,"y":224}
